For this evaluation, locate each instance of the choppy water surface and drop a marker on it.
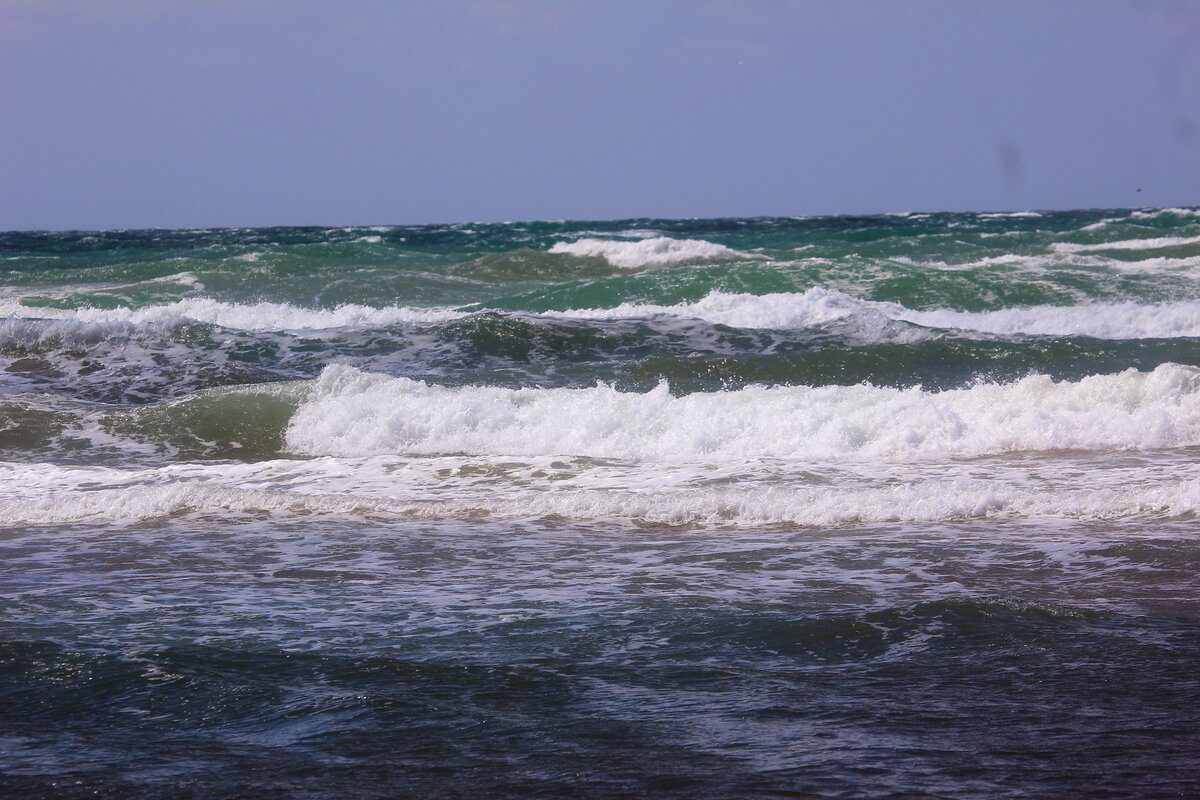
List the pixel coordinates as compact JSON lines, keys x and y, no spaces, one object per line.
{"x":898,"y":506}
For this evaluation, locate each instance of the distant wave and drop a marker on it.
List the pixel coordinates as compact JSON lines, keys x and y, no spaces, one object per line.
{"x":1153,"y":243}
{"x":820,"y":306}
{"x":251,"y":317}
{"x":779,"y":310}
{"x":654,"y":251}
{"x":1099,"y":320}
{"x":1157,"y":213}
{"x":782,"y":310}
{"x":1009,"y":215}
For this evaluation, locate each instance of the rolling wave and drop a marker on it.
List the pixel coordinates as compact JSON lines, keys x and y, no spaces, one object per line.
{"x":655,"y":251}
{"x":353,"y":413}
{"x":347,"y":412}
{"x":239,"y":316}
{"x":777,"y":311}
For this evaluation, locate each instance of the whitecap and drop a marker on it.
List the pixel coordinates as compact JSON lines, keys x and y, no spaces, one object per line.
{"x":819,"y":306}
{"x":654,"y":251}
{"x":251,"y":317}
{"x":1156,"y":243}
{"x":349,"y":412}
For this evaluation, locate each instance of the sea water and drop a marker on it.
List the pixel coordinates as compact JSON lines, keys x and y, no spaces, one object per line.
{"x":891,"y":506}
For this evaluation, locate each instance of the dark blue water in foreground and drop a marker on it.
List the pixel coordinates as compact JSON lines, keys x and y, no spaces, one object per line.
{"x":550,"y":661}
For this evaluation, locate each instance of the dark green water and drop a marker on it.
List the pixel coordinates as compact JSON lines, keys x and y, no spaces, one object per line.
{"x":897,"y":506}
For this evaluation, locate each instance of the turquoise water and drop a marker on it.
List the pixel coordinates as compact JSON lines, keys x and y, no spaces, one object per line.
{"x":894,"y":506}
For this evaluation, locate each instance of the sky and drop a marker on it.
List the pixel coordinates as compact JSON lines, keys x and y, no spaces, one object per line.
{"x":181,"y":113}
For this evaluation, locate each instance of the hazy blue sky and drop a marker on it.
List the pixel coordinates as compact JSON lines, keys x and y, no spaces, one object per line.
{"x":137,"y":113}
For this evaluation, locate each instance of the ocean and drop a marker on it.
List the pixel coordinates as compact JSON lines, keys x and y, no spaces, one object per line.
{"x":897,"y":506}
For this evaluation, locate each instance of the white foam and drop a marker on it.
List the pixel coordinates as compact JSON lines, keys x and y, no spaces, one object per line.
{"x":1070,"y":255}
{"x":783,"y":310}
{"x":353,"y":413}
{"x":255,"y":317}
{"x":46,"y":494}
{"x":1162,"y":212}
{"x":1037,"y":262}
{"x":1099,"y":320}
{"x":821,"y":306}
{"x":1156,"y":243}
{"x":1009,"y":215}
{"x":655,"y":251}
{"x":1104,"y":223}
{"x":188,"y":279}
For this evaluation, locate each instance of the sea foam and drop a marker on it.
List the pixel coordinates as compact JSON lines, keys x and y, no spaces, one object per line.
{"x":250,"y":317}
{"x":781,"y":311}
{"x":1155,"y":243}
{"x":655,"y":251}
{"x":55,"y":495}
{"x":353,"y":413}
{"x":818,"y":306}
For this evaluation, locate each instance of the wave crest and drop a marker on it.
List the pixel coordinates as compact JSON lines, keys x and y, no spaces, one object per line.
{"x":249,"y":317}
{"x":654,"y":251}
{"x":819,"y":306}
{"x":353,"y":413}
{"x":779,"y":311}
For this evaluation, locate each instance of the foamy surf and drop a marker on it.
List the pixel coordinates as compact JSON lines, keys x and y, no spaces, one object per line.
{"x":819,"y":306}
{"x":432,"y":490}
{"x":778,"y":311}
{"x":239,"y":316}
{"x":1148,"y":243}
{"x":781,"y":310}
{"x":655,"y":251}
{"x":353,"y":413}
{"x":1098,"y":320}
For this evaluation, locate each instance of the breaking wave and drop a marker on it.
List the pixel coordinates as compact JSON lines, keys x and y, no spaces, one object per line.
{"x":781,"y":311}
{"x":250,"y":317}
{"x":353,"y":413}
{"x":821,"y":306}
{"x":655,"y":251}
